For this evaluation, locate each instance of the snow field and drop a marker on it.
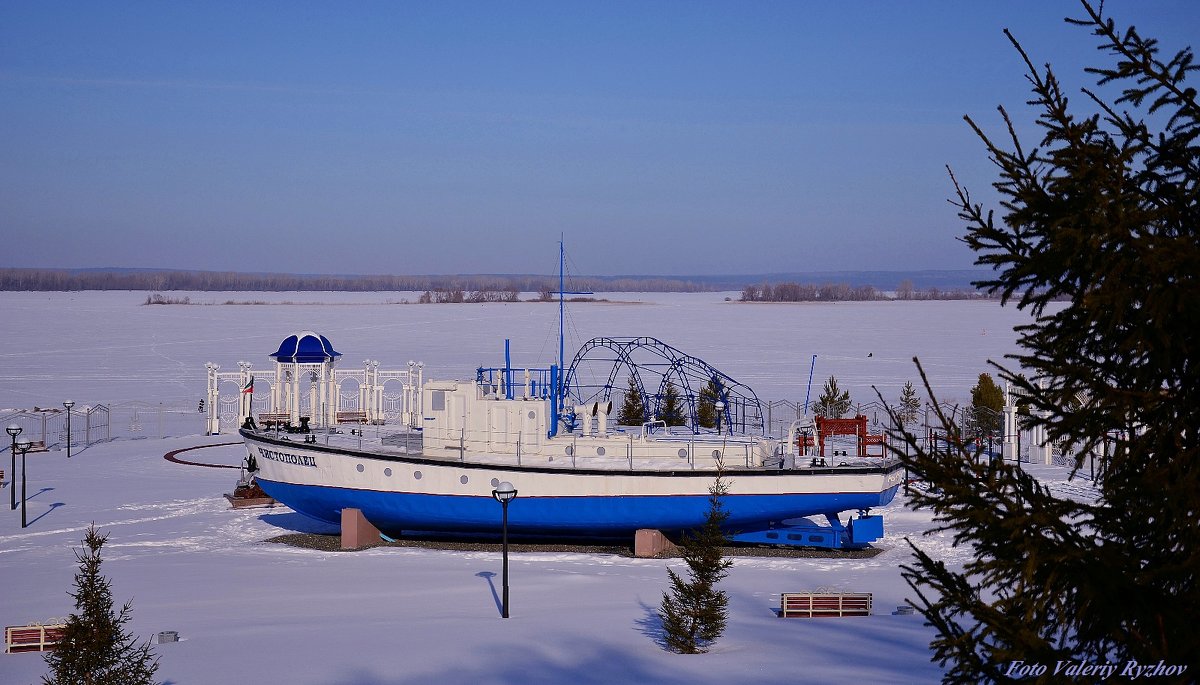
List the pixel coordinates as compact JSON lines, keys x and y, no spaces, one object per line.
{"x":250,"y":611}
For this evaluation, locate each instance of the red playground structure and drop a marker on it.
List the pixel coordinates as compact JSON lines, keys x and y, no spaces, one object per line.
{"x":856,"y":426}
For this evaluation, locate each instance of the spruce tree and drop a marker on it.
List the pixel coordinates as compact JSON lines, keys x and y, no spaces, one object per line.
{"x":1100,"y":218}
{"x":833,"y":402}
{"x":910,"y":405}
{"x":706,"y":407}
{"x":693,"y":610}
{"x":633,"y":408}
{"x":987,"y":401}
{"x":95,"y":648}
{"x":671,"y":407}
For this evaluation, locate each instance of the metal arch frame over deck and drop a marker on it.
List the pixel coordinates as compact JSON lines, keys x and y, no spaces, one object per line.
{"x":742,"y":408}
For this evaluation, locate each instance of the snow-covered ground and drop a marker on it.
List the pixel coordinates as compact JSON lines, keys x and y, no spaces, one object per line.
{"x":249,"y":611}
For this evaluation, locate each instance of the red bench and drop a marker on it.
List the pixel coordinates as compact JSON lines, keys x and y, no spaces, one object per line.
{"x":35,"y":638}
{"x":817,"y":605}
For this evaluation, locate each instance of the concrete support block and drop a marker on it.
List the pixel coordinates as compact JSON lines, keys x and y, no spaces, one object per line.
{"x":357,"y":531}
{"x":649,"y":543}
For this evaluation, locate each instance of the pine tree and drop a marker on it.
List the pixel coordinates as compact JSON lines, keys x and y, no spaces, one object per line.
{"x":833,"y":402}
{"x":694,"y":611}
{"x":671,"y":407}
{"x":1100,"y":218}
{"x":633,"y":408}
{"x":96,"y":649}
{"x":706,"y":408}
{"x":910,"y":405}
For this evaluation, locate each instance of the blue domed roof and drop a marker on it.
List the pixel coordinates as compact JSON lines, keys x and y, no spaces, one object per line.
{"x":305,"y":347}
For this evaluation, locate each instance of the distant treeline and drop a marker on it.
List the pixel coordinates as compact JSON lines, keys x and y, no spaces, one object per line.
{"x":159,"y":298}
{"x":841,"y":292}
{"x":63,"y":279}
{"x":458,"y":295}
{"x":460,"y":288}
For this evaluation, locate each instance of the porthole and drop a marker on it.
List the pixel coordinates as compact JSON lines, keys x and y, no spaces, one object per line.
{"x":387,"y":472}
{"x":417,"y":475}
{"x":716,"y":454}
{"x":360,"y":468}
{"x":570,"y":450}
{"x":531,"y":415}
{"x":682,"y":453}
{"x":463,"y":480}
{"x":600,"y":451}
{"x":495,"y":482}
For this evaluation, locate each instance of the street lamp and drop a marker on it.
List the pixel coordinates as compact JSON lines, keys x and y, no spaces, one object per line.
{"x":14,"y":430}
{"x":23,"y":445}
{"x":720,"y":407}
{"x":68,"y":404}
{"x":504,"y":493}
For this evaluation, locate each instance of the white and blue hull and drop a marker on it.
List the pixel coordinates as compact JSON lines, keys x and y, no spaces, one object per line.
{"x":403,"y":493}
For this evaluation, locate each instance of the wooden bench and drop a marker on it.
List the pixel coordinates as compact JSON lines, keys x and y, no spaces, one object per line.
{"x":269,"y":420}
{"x":359,"y":417}
{"x":818,"y":604}
{"x":36,"y":446}
{"x":32,"y":638}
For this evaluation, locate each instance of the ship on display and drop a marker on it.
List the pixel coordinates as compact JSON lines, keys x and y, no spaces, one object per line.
{"x":554,"y":437}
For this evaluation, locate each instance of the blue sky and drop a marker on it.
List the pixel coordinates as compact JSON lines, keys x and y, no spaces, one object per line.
{"x":461,"y":137}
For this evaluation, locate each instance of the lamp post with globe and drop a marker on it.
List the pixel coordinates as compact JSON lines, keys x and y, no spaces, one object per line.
{"x":14,"y":430}
{"x":68,"y":404}
{"x":504,"y":493}
{"x":23,"y":445}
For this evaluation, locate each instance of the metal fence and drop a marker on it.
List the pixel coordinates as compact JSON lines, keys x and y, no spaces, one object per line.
{"x":89,"y":425}
{"x":140,"y":420}
{"x":133,"y":420}
{"x":778,"y":415}
{"x":103,"y":422}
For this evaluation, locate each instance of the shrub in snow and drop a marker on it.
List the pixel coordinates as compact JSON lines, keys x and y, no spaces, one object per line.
{"x":96,"y":649}
{"x":693,"y":610}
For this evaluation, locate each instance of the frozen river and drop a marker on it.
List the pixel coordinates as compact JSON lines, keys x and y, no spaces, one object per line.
{"x":110,"y":347}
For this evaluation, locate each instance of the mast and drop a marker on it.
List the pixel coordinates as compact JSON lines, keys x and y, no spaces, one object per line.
{"x":560,"y":390}
{"x":808,"y":394}
{"x":557,"y":382}
{"x":561,"y":368}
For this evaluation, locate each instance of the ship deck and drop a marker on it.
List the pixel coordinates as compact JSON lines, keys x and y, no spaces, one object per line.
{"x":690,"y":452}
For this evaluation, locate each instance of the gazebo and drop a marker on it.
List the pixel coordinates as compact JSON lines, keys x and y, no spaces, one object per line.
{"x":305,"y":359}
{"x":304,"y":383}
